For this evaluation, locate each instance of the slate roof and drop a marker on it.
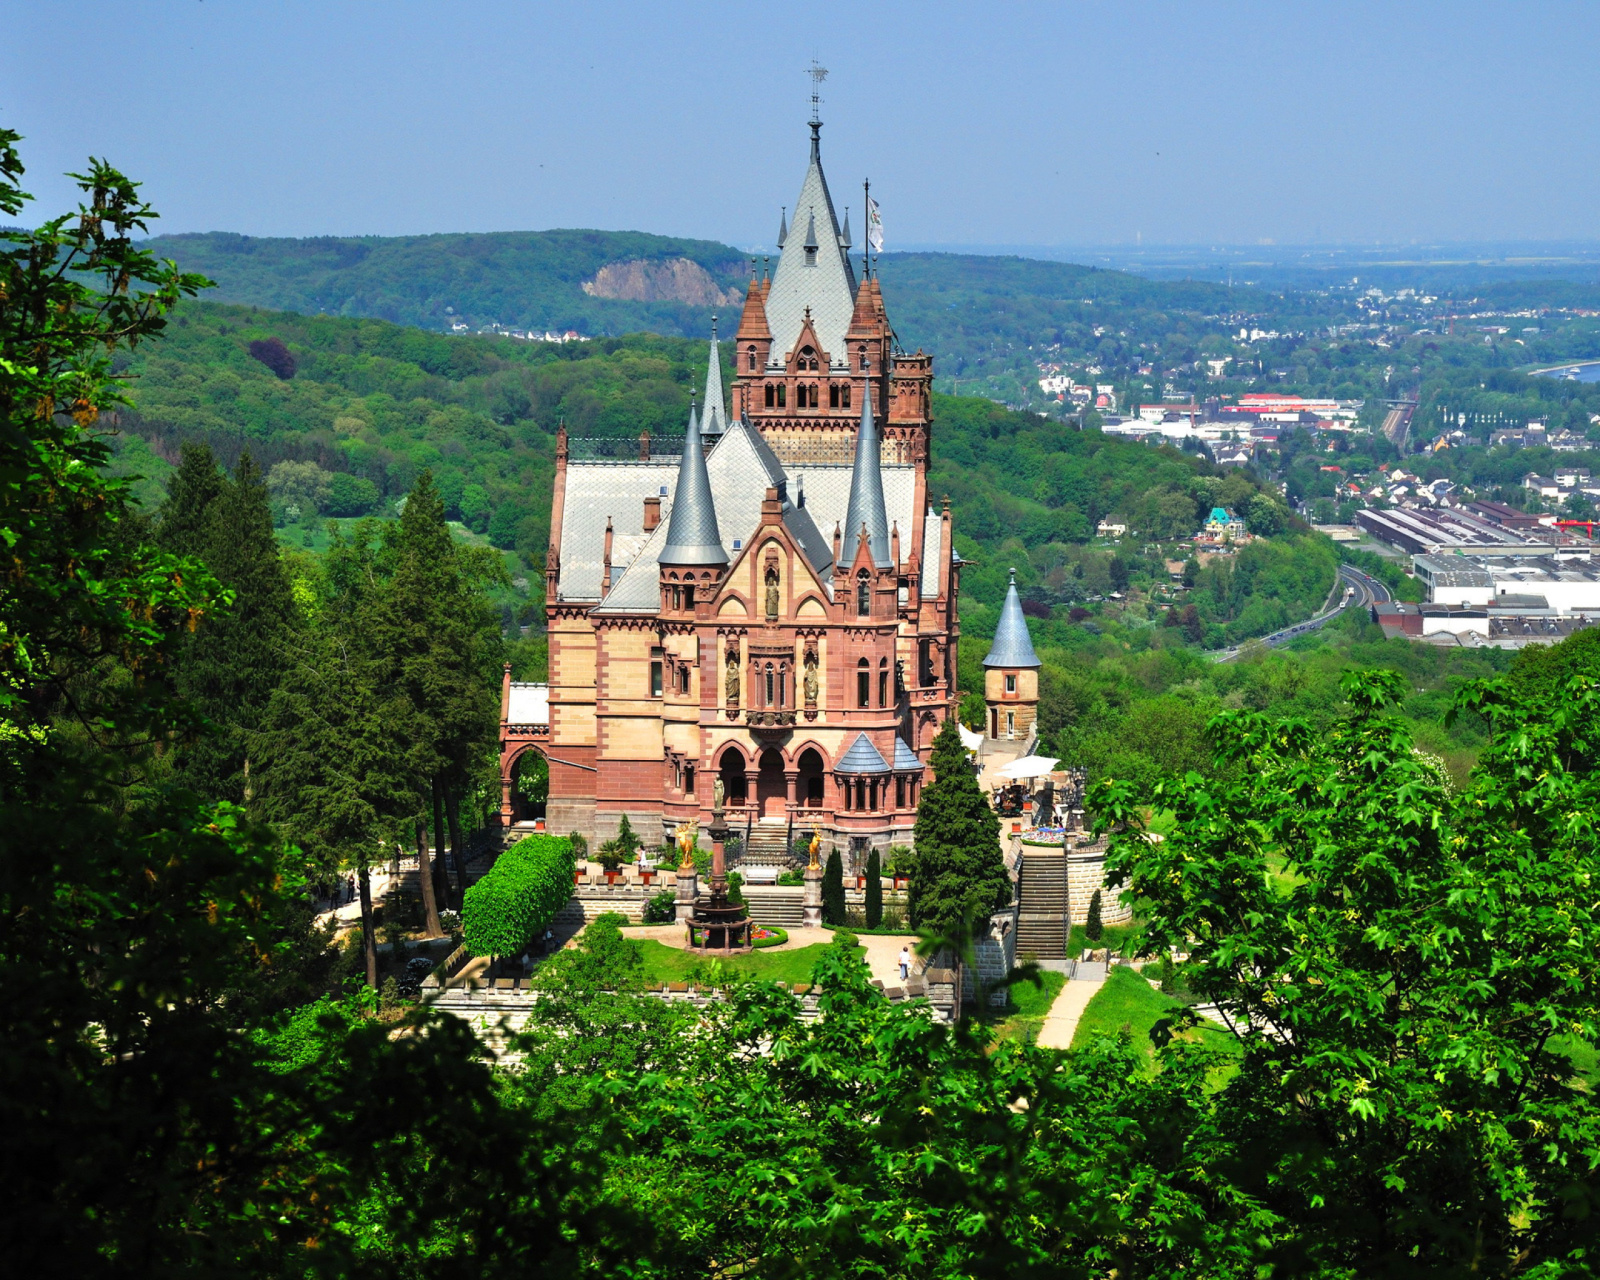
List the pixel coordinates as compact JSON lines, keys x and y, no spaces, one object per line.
{"x":904,"y":756}
{"x":828,"y":287}
{"x":714,"y":417}
{"x":863,"y":757}
{"x":866,"y":494}
{"x":1012,"y":647}
{"x":692,"y":536}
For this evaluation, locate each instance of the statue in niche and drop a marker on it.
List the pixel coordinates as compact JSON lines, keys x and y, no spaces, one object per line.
{"x":772,"y":593}
{"x":731,"y":683}
{"x":811,"y":678}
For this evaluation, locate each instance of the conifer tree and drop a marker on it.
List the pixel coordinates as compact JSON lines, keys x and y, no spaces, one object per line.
{"x":229,"y":667}
{"x":833,"y":889}
{"x":1092,"y":927}
{"x":959,"y":875}
{"x":874,"y":891}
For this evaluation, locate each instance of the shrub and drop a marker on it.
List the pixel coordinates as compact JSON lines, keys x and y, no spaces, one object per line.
{"x":1092,"y":928}
{"x":735,"y":885}
{"x":520,"y":895}
{"x":833,"y":889}
{"x":662,"y":908}
{"x":625,"y":848}
{"x":874,"y":902}
{"x":793,"y":876}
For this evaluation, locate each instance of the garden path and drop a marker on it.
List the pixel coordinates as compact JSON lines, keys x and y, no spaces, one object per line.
{"x":1062,"y":1021}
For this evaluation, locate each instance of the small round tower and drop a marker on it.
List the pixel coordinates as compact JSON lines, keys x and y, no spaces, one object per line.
{"x":1011,"y":674}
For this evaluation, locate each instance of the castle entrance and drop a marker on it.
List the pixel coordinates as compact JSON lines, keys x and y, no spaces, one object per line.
{"x":772,"y":793}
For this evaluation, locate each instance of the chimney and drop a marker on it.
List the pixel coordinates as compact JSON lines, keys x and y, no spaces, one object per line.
{"x":605,"y":580}
{"x":894,"y":543}
{"x":652,"y":512}
{"x":838,"y":543}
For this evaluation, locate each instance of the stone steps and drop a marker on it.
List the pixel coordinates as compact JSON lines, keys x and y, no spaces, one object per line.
{"x":768,"y":846}
{"x":1042,"y":901}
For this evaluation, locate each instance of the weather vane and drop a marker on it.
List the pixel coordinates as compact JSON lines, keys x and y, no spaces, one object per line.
{"x":818,"y":74}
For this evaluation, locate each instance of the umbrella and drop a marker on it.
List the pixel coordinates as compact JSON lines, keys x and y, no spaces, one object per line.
{"x":970,"y":740}
{"x":1028,"y":767}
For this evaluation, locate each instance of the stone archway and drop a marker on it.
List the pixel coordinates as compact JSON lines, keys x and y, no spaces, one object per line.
{"x":730,"y":768}
{"x":810,"y":787}
{"x":772,"y":793}
{"x":530,"y":785}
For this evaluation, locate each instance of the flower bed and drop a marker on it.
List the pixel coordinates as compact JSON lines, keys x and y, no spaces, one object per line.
{"x":762,"y":936}
{"x":1050,"y":837}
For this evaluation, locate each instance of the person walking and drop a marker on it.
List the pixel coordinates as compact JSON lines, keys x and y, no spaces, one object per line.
{"x":905,"y":962}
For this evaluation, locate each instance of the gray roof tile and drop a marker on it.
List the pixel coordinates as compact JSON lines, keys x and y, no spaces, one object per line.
{"x":1012,"y":647}
{"x":828,"y":286}
{"x":862,"y":757}
{"x":904,"y":756}
{"x":866,"y":494}
{"x":692,"y":536}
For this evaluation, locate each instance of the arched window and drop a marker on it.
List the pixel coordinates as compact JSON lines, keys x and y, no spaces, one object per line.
{"x":844,"y":396}
{"x":688,"y":596}
{"x":772,"y":395}
{"x":883,"y":682}
{"x":863,"y":595}
{"x":833,"y":395}
{"x":783,"y":396}
{"x":750,"y":356}
{"x":769,"y":684}
{"x":783,"y":682}
{"x":863,"y":684}
{"x":862,"y":351}
{"x":808,"y":360}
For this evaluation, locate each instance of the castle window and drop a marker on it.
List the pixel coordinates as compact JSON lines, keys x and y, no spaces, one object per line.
{"x":861,"y":794}
{"x":863,"y":684}
{"x":683,"y":679}
{"x":863,"y":353}
{"x":688,"y":780}
{"x":782,"y":690}
{"x":750,"y":356}
{"x":844,"y":396}
{"x":899,"y":793}
{"x":1011,"y":683}
{"x":863,"y":595}
{"x":883,"y":688}
{"x":1011,"y":724}
{"x":808,"y":360}
{"x":782,"y":396}
{"x":688,"y":596}
{"x":772,"y":395}
{"x":655,"y":679}
{"x":769,"y":684}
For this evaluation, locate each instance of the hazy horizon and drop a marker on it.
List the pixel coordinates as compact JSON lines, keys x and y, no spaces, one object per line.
{"x":1052,"y":127}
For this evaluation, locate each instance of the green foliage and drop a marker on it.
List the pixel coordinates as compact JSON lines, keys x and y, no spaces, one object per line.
{"x":776,"y":938}
{"x":874,"y":892}
{"x":1437,"y":939}
{"x":1092,"y":927}
{"x":613,"y":853}
{"x":833,"y":889}
{"x":958,"y":877}
{"x":520,"y":895}
{"x":661,"y":908}
{"x":603,"y":960}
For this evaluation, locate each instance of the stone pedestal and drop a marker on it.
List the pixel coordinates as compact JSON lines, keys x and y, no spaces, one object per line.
{"x":811,"y":903}
{"x":688,"y":893}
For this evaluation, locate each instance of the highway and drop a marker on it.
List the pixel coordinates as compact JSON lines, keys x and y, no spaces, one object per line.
{"x":1361,"y":591}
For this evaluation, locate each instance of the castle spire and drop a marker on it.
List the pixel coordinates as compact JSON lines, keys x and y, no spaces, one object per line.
{"x":714,"y":417}
{"x":866,"y":508}
{"x":1012,"y":646}
{"x":816,"y":273}
{"x":783,"y":227}
{"x":692,"y":534}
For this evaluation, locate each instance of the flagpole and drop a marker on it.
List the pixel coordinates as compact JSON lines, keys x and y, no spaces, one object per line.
{"x":866,"y":218}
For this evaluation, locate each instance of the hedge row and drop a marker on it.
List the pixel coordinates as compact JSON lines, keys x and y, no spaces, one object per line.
{"x":528,"y":884}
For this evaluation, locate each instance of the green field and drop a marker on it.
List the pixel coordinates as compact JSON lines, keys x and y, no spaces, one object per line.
{"x":664,"y":964}
{"x":1027,"y":1006}
{"x":1128,"y":1001}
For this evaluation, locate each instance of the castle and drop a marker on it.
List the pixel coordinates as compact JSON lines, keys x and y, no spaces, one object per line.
{"x":770,"y":615}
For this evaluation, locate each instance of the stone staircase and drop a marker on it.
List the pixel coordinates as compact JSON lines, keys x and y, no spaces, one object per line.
{"x":1042,"y":925}
{"x":775,"y":905}
{"x":769,"y":844}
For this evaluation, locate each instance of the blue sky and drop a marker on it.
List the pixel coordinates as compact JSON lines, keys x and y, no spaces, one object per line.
{"x":978,"y":124}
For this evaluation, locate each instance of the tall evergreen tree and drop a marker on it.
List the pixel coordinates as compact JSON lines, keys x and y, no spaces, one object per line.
{"x":833,"y":889}
{"x":1092,"y":927}
{"x":229,"y":667}
{"x":959,"y":875}
{"x":874,"y":902}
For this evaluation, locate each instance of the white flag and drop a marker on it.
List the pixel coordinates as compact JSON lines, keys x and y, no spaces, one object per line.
{"x":874,"y":226}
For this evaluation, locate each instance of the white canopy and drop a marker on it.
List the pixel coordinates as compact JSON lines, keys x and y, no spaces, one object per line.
{"x":970,"y":739}
{"x":1028,"y":767}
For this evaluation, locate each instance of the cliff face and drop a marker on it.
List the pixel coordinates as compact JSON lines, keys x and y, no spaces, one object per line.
{"x":669,"y":280}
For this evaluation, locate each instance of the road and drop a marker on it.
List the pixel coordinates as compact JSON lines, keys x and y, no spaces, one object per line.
{"x":1361,"y":592}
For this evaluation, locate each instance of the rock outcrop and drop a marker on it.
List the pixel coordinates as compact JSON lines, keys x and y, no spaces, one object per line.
{"x":669,"y":280}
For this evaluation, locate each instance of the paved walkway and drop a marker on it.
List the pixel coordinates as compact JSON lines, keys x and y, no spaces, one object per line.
{"x":1061,"y":1023}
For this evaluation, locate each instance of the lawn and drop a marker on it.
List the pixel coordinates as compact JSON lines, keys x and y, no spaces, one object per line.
{"x":1112,"y":937}
{"x":1128,"y":1000}
{"x":1027,"y":1006}
{"x":673,"y":964}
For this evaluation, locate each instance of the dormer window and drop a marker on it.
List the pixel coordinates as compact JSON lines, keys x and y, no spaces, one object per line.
{"x":808,"y":360}
{"x":750,"y":357}
{"x":863,"y":595}
{"x":811,"y":255}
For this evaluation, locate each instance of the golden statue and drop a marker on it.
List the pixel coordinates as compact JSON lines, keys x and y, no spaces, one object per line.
{"x":687,"y":837}
{"x":815,"y":845}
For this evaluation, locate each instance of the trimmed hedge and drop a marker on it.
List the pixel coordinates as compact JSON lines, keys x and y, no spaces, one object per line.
{"x":528,"y":884}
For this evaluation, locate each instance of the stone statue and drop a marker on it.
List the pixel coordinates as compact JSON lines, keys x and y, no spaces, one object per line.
{"x":718,"y":791}
{"x":811,"y":677}
{"x":772,"y":593}
{"x":731,"y":684}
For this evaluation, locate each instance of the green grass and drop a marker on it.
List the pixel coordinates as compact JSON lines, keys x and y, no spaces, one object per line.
{"x":1027,"y":1006}
{"x":673,"y":964}
{"x":1112,"y":937}
{"x":1128,"y":1000}
{"x":1283,"y":881}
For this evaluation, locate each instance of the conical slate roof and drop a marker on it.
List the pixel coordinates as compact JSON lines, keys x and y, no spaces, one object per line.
{"x":783,"y":228}
{"x":862,"y":757}
{"x":866,"y":493}
{"x":1012,"y":647}
{"x":692,"y":535}
{"x":827,"y":285}
{"x":714,"y":417}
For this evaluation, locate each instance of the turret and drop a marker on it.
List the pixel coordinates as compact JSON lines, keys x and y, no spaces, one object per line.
{"x":1011,"y":672}
{"x":714,"y":417}
{"x":866,"y":490}
{"x":692,"y":535}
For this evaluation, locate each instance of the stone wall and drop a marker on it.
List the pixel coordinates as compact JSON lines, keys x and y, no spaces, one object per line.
{"x":1086,"y":872}
{"x":996,"y":956}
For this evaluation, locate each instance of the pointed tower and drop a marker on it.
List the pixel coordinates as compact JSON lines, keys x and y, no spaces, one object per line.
{"x":692,"y":535}
{"x":783,"y":229}
{"x":750,"y":346}
{"x":1011,"y":673}
{"x":713,"y":418}
{"x":866,"y":492}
